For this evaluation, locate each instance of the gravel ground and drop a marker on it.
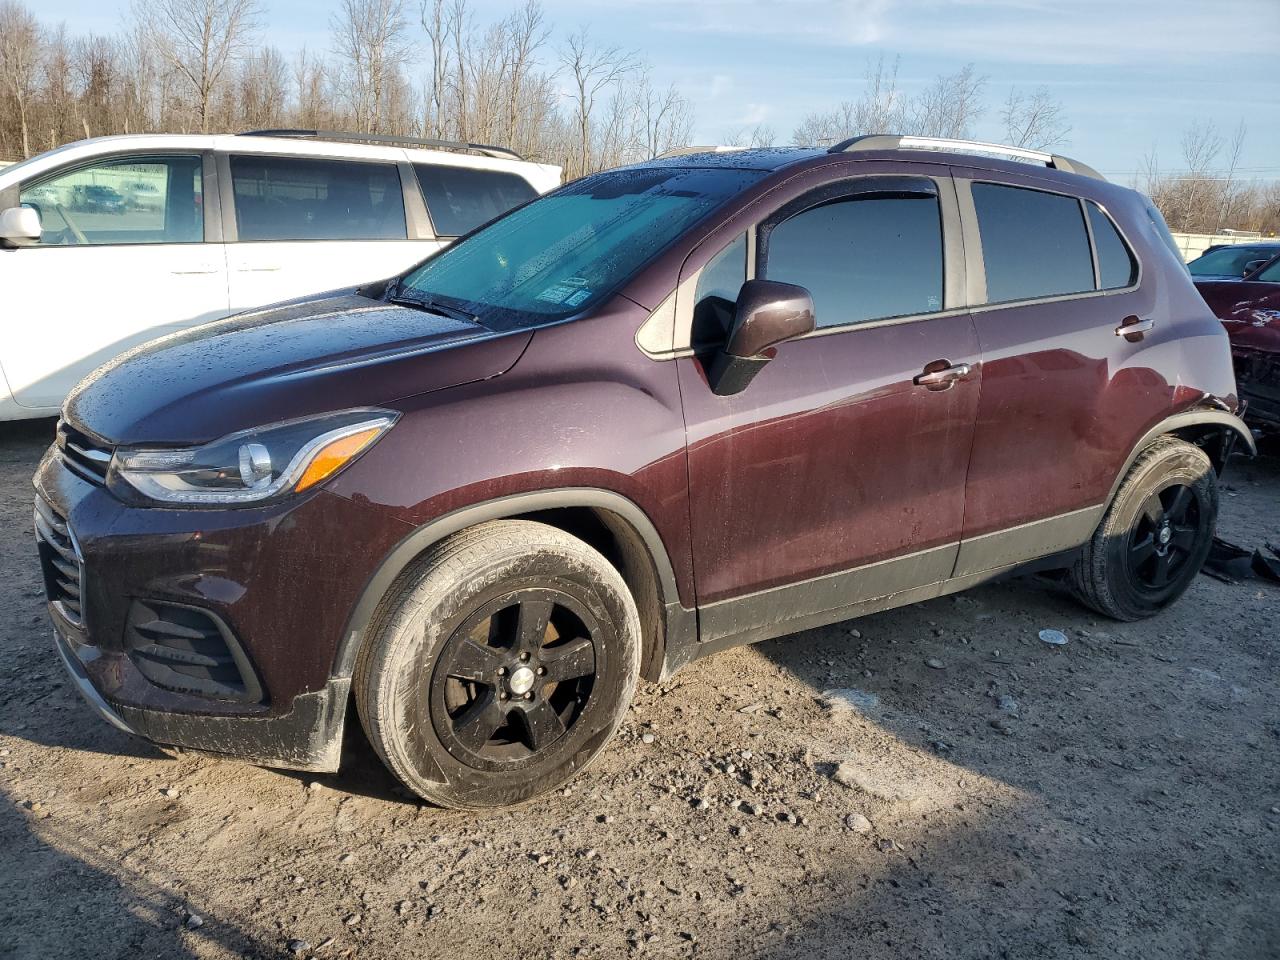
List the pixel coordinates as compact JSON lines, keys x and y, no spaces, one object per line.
{"x":982,"y":794}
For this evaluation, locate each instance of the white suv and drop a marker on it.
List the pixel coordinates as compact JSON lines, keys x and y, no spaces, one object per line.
{"x":110,"y":242}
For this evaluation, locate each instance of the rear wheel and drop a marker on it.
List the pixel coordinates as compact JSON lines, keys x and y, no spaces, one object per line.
{"x":500,"y":666}
{"x":1155,"y":535}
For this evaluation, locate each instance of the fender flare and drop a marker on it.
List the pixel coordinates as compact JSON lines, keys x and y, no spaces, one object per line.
{"x":1198,"y":417}
{"x":513,"y":505}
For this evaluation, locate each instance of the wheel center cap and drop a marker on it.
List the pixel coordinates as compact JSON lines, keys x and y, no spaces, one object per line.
{"x":1165,"y":534}
{"x":521,"y":680}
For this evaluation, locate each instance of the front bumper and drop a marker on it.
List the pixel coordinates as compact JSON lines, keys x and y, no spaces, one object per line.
{"x":283,"y":578}
{"x":309,"y":737}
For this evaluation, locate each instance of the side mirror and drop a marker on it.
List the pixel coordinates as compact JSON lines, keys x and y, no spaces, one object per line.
{"x":20,"y":227}
{"x":767,"y":314}
{"x":1253,"y":265}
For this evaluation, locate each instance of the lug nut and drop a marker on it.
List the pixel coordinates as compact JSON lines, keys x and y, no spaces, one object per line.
{"x":541,"y":671}
{"x":502,"y":671}
{"x":524,"y":657}
{"x":529,"y":695}
{"x":503,"y":695}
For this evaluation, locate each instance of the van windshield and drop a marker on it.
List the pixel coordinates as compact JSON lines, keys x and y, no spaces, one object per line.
{"x":563,"y":253}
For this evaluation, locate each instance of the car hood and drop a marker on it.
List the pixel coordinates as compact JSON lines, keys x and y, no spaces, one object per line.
{"x":288,"y":361}
{"x":1249,"y":309}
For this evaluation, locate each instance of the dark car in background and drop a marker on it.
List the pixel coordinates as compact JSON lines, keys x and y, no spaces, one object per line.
{"x":1231,"y":262}
{"x":664,"y":410}
{"x":1250,"y":310}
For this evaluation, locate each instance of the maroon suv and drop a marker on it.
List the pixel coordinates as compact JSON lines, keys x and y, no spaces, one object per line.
{"x":667,"y":409}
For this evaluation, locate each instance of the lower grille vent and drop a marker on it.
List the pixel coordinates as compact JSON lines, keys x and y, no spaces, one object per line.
{"x":59,"y":560}
{"x":189,"y":650}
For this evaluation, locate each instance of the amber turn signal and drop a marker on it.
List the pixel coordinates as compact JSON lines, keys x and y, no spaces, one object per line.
{"x":333,"y":456}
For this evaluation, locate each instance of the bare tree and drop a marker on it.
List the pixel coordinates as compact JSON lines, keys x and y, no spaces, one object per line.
{"x":761,"y":135}
{"x":20,"y":47}
{"x":1036,"y":120}
{"x":880,"y":109}
{"x":199,"y":39}
{"x":593,"y":69}
{"x":949,"y":106}
{"x":371,"y":40}
{"x":1234,"y":149}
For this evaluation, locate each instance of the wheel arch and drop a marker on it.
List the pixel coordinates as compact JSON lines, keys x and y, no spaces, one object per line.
{"x":608,"y":521}
{"x":1213,"y":430}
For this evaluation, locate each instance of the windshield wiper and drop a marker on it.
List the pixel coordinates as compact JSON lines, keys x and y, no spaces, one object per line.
{"x":433,"y":306}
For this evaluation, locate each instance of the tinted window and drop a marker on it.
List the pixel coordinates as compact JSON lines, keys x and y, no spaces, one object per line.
{"x":563,"y":253}
{"x":122,"y":201}
{"x":716,"y":296}
{"x":1033,"y":243}
{"x":1271,"y":274}
{"x":460,"y":199}
{"x":862,"y":259}
{"x":1228,"y":261}
{"x":1116,"y":266}
{"x":284,"y":198}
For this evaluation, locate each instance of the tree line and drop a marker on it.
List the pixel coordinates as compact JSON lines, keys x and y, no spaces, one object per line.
{"x":440,"y":70}
{"x":436,"y":70}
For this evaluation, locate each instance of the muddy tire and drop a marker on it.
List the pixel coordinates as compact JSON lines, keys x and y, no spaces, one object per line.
{"x":1155,"y":535}
{"x":499,"y":666}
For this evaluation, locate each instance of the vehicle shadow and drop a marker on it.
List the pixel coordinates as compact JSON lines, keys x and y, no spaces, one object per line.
{"x":1135,"y":755}
{"x":61,"y":897}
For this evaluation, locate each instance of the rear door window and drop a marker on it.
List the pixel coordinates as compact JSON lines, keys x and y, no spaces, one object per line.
{"x":862,"y":258}
{"x":1116,"y":265}
{"x":123,"y":201}
{"x":459,"y":199}
{"x":1034,"y":243}
{"x":294,"y":198}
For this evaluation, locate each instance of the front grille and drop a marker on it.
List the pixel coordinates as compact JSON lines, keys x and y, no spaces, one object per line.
{"x":188,"y":650}
{"x":84,"y":454}
{"x":60,"y":561}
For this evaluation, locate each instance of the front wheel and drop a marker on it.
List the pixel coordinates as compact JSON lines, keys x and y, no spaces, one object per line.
{"x":1155,"y":535}
{"x":500,"y":666}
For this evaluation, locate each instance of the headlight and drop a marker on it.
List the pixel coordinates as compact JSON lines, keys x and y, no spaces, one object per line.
{"x":253,"y":465}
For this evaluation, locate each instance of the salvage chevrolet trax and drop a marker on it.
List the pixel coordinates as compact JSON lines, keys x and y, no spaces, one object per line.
{"x":667,"y":409}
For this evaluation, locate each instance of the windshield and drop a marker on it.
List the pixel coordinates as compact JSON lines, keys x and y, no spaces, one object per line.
{"x":1229,"y":261}
{"x":567,"y":251}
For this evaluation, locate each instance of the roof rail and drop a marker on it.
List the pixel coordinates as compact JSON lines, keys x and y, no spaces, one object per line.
{"x":893,"y":142}
{"x":482,"y":148}
{"x":685,"y":151}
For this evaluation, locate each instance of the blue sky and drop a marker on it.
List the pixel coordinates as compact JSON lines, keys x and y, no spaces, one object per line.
{"x":1132,"y":74}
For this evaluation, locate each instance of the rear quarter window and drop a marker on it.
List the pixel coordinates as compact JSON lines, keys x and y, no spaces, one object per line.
{"x":459,"y":199}
{"x":1116,"y":264}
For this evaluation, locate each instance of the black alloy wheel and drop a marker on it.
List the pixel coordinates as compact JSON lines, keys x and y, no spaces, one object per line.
{"x":1165,"y":538}
{"x":514,"y":677}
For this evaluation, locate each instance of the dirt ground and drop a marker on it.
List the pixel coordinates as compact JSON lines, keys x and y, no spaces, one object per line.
{"x":1123,"y":800}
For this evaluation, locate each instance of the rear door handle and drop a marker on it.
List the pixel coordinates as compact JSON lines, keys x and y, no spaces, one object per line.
{"x":942,"y":375}
{"x":1131,"y":328}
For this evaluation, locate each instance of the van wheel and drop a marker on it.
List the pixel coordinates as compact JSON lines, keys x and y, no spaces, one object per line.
{"x":1155,"y":535}
{"x":498,"y":666}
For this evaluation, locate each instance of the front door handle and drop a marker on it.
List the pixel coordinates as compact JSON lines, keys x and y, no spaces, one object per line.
{"x":942,"y":375}
{"x":1133,"y":329}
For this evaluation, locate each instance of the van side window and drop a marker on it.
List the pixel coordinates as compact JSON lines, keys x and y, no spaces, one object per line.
{"x":1034,"y":243}
{"x":295,"y":198}
{"x":863,"y":258}
{"x":459,"y":199}
{"x":1116,"y":265}
{"x":122,"y":201}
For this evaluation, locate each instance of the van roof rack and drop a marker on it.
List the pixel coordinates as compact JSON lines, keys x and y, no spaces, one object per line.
{"x":481,"y":148}
{"x":876,"y":141}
